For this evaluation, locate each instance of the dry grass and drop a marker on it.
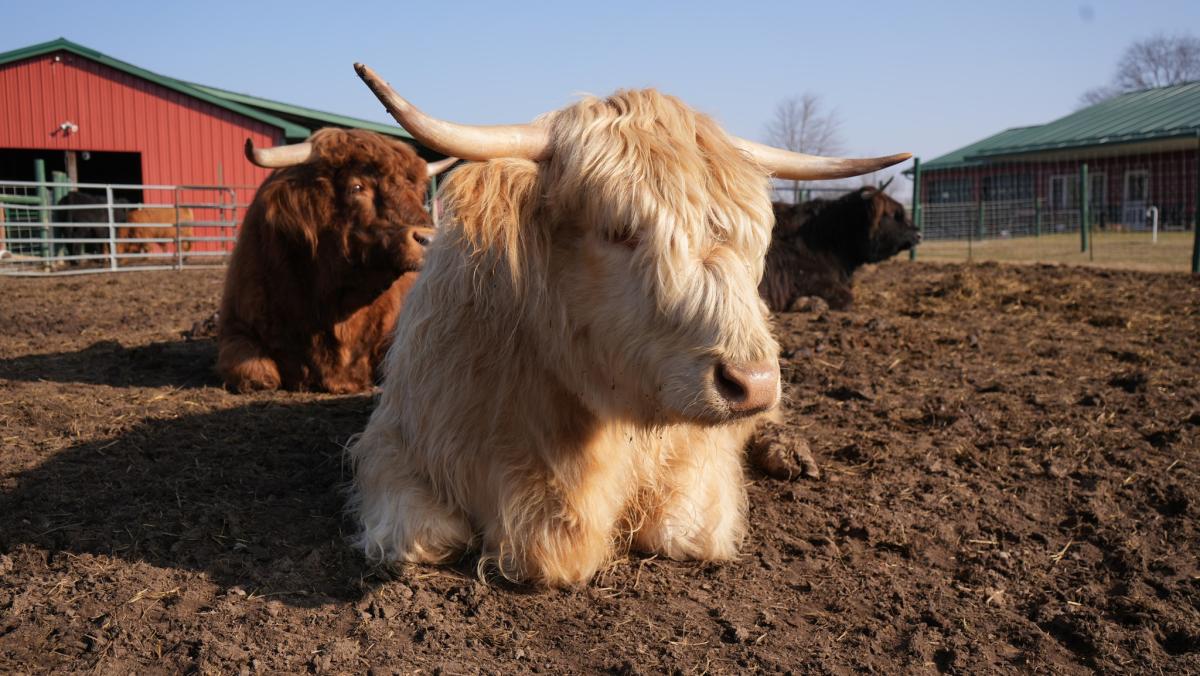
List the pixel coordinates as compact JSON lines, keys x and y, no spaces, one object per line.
{"x":1130,"y":250}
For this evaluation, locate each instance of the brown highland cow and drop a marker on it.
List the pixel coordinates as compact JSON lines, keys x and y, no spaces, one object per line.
{"x":330,"y":246}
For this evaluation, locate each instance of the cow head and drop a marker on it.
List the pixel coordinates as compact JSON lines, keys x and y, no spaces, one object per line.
{"x":889,"y":231}
{"x":357,"y":191}
{"x":628,"y":237}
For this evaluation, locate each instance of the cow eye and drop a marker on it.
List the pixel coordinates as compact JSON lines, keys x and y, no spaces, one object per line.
{"x":628,"y":240}
{"x":357,"y":187}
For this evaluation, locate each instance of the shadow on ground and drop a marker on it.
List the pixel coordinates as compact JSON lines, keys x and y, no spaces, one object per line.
{"x":249,"y":496}
{"x":179,"y":364}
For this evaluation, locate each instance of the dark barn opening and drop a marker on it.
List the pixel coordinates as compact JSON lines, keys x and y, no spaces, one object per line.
{"x":17,"y":164}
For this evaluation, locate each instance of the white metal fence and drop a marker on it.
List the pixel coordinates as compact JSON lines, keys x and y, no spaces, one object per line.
{"x":53,"y":228}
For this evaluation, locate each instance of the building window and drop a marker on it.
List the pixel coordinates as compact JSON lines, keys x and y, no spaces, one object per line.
{"x":1007,"y":187}
{"x":1098,"y":190}
{"x":950,"y":190}
{"x":1062,"y":191}
{"x":1137,"y":198}
{"x":1137,"y":186}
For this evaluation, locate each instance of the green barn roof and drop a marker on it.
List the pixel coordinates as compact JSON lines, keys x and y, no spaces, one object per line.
{"x":309,"y":115}
{"x":1142,"y":116}
{"x":297,"y":122}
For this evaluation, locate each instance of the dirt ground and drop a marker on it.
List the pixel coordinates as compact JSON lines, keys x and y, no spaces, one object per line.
{"x":1009,"y":483}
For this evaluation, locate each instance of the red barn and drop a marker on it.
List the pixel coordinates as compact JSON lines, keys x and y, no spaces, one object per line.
{"x":1141,"y":152}
{"x":80,"y":115}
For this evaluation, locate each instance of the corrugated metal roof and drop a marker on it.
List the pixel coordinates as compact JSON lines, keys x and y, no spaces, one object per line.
{"x":1147,"y":115}
{"x":297,"y":122}
{"x":309,"y":114}
{"x":959,"y":158}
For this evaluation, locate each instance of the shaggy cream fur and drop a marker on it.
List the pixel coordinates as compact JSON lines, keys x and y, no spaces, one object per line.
{"x":549,"y":398}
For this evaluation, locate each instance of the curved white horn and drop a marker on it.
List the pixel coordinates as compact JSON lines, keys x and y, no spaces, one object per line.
{"x":434,"y":168}
{"x":801,"y":167}
{"x":468,"y":142}
{"x":279,"y":156}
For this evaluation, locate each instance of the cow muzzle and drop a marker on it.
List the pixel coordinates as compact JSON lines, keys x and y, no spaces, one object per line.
{"x":747,"y":389}
{"x":422,"y":237}
{"x":408,"y":247}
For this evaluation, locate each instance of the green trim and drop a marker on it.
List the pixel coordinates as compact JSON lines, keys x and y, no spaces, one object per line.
{"x":916,"y":204}
{"x":1085,"y":222}
{"x":1196,"y":218}
{"x":301,"y":111}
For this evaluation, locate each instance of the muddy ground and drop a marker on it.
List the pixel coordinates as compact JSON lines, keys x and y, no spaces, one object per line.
{"x":1009,"y":483}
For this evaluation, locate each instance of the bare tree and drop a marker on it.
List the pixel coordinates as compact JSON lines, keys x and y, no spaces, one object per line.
{"x":1158,"y":61}
{"x":1098,"y":95}
{"x":803,"y":125}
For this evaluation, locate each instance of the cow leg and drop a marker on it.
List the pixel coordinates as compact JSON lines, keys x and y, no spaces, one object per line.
{"x":244,"y":366}
{"x":557,"y":525}
{"x":345,"y":374}
{"x":781,"y":454}
{"x":552,"y":539}
{"x":400,"y":517}
{"x":699,"y":511}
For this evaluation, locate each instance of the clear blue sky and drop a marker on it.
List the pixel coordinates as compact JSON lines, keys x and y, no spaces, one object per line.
{"x":925,"y":77}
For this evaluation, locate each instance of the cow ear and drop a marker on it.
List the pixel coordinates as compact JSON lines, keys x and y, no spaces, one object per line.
{"x":418,"y":172}
{"x":874,"y":209}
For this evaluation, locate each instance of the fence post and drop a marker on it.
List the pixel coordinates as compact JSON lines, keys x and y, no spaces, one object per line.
{"x":178,"y":233}
{"x":39,"y":175}
{"x":1037,"y":216}
{"x":112,"y":229}
{"x":1196,"y":218}
{"x":1084,"y":221}
{"x":59,"y":191}
{"x":916,"y":205}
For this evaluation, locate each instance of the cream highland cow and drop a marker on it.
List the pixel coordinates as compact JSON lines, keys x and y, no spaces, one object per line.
{"x":585,"y":355}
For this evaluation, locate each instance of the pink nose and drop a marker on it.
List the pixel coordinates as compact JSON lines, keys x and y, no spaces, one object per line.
{"x":748,"y":388}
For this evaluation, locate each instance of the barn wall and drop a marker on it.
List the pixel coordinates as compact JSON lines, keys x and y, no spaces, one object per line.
{"x":182,"y":140}
{"x":1172,"y":178}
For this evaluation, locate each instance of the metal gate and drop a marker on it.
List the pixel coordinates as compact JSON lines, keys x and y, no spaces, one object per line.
{"x":56,"y":228}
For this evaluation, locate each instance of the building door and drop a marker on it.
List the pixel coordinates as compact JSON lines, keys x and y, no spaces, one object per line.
{"x":1137,"y":198}
{"x":1064,"y":202}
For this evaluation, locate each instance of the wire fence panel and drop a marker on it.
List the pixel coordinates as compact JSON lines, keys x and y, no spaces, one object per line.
{"x":796,"y":192}
{"x":114,"y":227}
{"x":1120,"y":206}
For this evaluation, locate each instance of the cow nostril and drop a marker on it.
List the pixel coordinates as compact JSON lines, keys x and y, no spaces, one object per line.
{"x":747,"y":388}
{"x":729,"y":386}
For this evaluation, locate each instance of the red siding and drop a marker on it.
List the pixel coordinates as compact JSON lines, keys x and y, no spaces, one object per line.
{"x":182,"y":140}
{"x":1172,"y":179}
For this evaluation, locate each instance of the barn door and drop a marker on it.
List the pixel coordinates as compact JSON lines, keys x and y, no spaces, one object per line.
{"x":1137,"y":198}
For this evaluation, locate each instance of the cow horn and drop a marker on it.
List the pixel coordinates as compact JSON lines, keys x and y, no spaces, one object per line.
{"x":883,"y":186}
{"x":279,"y":156}
{"x":464,"y":141}
{"x":434,"y":168}
{"x":801,"y":167}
